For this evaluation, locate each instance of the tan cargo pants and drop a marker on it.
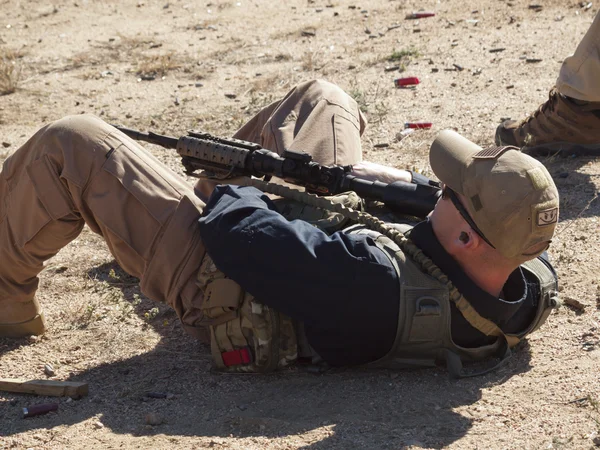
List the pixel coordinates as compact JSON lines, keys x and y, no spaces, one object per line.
{"x":579,"y":75}
{"x":81,"y":170}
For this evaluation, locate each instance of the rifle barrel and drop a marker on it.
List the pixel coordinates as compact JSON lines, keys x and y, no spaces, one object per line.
{"x":152,"y":138}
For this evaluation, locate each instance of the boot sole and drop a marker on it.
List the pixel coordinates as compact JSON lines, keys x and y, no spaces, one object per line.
{"x":31,"y":327}
{"x":563,"y":149}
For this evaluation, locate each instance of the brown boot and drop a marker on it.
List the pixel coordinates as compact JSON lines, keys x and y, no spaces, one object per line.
{"x":19,"y":319}
{"x":559,"y":125}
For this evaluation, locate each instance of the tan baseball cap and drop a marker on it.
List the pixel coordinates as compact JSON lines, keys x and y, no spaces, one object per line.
{"x":510,"y":196}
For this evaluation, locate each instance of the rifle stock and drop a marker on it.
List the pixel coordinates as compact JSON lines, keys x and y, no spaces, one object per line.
{"x":226,"y":158}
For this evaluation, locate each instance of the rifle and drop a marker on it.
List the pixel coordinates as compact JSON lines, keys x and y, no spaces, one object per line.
{"x":226,"y":158}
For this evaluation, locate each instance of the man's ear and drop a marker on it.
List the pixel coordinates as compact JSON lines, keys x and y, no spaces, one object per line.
{"x":469,"y":240}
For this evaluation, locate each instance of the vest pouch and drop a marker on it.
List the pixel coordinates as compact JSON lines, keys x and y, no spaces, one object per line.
{"x":245,"y":335}
{"x":427,"y":317}
{"x":423,"y":329}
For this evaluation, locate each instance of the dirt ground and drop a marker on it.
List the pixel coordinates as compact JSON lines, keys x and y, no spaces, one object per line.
{"x":175,"y":65}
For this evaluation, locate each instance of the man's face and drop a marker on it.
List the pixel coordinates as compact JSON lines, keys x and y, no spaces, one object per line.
{"x":444,"y":212}
{"x":459,"y":202}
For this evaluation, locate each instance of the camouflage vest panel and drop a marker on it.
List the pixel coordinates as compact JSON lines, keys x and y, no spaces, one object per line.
{"x":246,"y":335}
{"x":423,"y":336}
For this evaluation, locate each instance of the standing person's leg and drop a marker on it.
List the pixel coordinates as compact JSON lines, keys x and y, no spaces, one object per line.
{"x":569,"y":121}
{"x":81,"y":170}
{"x":579,"y":76}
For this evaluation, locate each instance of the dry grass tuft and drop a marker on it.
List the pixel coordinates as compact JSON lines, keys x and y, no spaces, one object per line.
{"x":313,"y":60}
{"x":262,"y":90}
{"x":10,"y":71}
{"x":158,"y":65}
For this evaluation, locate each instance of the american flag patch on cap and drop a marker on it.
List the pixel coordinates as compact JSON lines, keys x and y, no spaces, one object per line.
{"x":493,"y":152}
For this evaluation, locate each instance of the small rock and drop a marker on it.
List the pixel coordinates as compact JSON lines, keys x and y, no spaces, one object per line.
{"x":6,"y":144}
{"x":49,"y":370}
{"x":157,"y":395}
{"x":14,"y":402}
{"x":574,"y":304}
{"x":98,"y":425}
{"x":153,"y":419}
{"x":596,"y":441}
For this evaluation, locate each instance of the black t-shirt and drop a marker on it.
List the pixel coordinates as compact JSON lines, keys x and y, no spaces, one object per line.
{"x":342,"y":287}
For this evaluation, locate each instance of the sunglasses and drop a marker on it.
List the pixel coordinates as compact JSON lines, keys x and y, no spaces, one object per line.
{"x":449,"y":193}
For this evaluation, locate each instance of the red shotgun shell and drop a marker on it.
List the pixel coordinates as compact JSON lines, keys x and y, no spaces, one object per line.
{"x":420,"y":15}
{"x":408,"y":81}
{"x":38,"y":410}
{"x":417,"y":125}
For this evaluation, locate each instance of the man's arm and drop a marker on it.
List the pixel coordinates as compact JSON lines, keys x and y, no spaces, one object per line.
{"x":342,"y":286}
{"x":385,"y":174}
{"x":377,"y":172}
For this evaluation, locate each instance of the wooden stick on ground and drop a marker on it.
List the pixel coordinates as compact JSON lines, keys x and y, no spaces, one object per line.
{"x":50,"y":388}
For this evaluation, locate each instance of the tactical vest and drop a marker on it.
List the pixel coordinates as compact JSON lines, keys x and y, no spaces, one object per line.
{"x":247,"y":336}
{"x":423,"y":336}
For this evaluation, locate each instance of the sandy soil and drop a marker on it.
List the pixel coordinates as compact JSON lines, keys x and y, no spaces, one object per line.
{"x":175,"y":65}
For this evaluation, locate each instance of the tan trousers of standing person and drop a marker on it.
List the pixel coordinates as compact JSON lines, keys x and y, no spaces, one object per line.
{"x":579,"y":75}
{"x":80,"y":170}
